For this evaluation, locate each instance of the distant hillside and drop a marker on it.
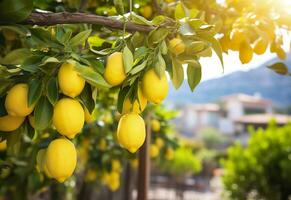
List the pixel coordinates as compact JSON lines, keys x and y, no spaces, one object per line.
{"x":259,"y":80}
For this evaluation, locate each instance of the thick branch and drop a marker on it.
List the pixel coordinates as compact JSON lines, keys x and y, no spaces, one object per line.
{"x":46,"y":19}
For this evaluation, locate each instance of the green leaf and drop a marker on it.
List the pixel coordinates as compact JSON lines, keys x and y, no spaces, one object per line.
{"x":127,"y":59}
{"x":121,"y":96}
{"x":164,"y":48}
{"x":178,"y":74}
{"x":137,"y":39}
{"x":196,"y":47}
{"x":47,"y":59}
{"x":52,"y":90}
{"x":140,"y":20}
{"x":15,"y":57}
{"x":14,"y":142}
{"x":138,"y":68}
{"x":158,"y":20}
{"x":194,"y":75}
{"x":12,"y":11}
{"x":43,"y":113}
{"x":97,"y":65}
{"x":87,"y":99}
{"x":31,"y":64}
{"x":91,"y":76}
{"x":119,"y":6}
{"x":160,"y":65}
{"x":156,"y":36}
{"x":80,"y":38}
{"x":179,"y":11}
{"x":279,"y":68}
{"x":34,"y":91}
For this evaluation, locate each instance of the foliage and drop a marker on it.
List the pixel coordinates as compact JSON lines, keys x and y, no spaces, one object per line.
{"x":262,"y":168}
{"x":212,"y":138}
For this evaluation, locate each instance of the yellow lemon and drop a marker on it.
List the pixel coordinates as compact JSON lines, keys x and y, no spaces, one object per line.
{"x":138,"y":105}
{"x":260,"y":46}
{"x":113,"y":181}
{"x":10,"y":123}
{"x":114,"y":71}
{"x":146,"y":11}
{"x":61,"y":159}
{"x":115,"y":165}
{"x":280,"y":53}
{"x":16,"y":103}
{"x":68,"y":117}
{"x":70,"y":82}
{"x":177,"y":46}
{"x":154,"y":88}
{"x":225,"y":43}
{"x":160,"y":142}
{"x":245,"y":52}
{"x":155,"y":124}
{"x":40,"y":158}
{"x":169,"y":154}
{"x":134,"y":163}
{"x":131,"y":132}
{"x":3,"y":145}
{"x":154,"y":151}
{"x":237,"y":36}
{"x":91,"y":175}
{"x":89,"y":118}
{"x":31,"y":121}
{"x":102,"y":145}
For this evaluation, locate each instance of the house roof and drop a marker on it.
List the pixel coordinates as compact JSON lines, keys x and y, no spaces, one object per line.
{"x":248,"y":99}
{"x":264,"y":119}
{"x":209,"y":107}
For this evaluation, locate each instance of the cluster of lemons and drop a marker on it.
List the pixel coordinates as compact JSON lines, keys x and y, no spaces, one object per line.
{"x":159,"y":143}
{"x":246,"y":42}
{"x":131,"y":131}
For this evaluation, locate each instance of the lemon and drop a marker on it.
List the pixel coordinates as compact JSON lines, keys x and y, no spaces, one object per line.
{"x":115,"y":165}
{"x":154,"y":151}
{"x":160,"y":142}
{"x":16,"y":103}
{"x":68,"y":117}
{"x":245,"y":52}
{"x":146,"y":11}
{"x":169,"y":154}
{"x":280,"y":53}
{"x":10,"y":123}
{"x":138,"y":105}
{"x":113,"y":181}
{"x":114,"y":71}
{"x":41,"y":162}
{"x":177,"y":46}
{"x":91,"y":175}
{"x":131,"y":132}
{"x":70,"y":82}
{"x":225,"y":43}
{"x":260,"y":46}
{"x":102,"y":145}
{"x":134,"y":163}
{"x":237,"y":36}
{"x":61,"y":159}
{"x":3,"y":145}
{"x":31,"y":121}
{"x":154,"y":88}
{"x":155,"y":124}
{"x":89,"y":118}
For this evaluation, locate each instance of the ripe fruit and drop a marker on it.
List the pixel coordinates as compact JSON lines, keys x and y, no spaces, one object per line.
{"x":225,"y":43}
{"x":138,"y":105}
{"x":260,"y":46}
{"x":61,"y":159}
{"x":154,"y":88}
{"x":115,"y":165}
{"x":16,"y":103}
{"x":155,"y":124}
{"x":169,"y":154}
{"x":280,"y":53}
{"x":89,"y":118}
{"x":70,"y":82}
{"x":134,"y":163}
{"x":177,"y":46}
{"x":237,"y":36}
{"x":146,"y":11}
{"x":114,"y":72}
{"x":3,"y":145}
{"x":10,"y":123}
{"x":68,"y":117}
{"x":112,"y":180}
{"x":154,"y":151}
{"x":91,"y":175}
{"x":160,"y":142}
{"x":41,"y":162}
{"x":245,"y":52}
{"x":131,"y":132}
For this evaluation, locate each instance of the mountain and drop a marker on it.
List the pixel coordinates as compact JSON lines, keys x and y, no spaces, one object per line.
{"x":260,"y":80}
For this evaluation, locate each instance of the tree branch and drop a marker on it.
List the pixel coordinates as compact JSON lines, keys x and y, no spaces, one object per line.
{"x":46,"y":19}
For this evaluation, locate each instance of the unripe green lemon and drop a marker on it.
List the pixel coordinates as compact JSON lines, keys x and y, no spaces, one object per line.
{"x":61,"y":159}
{"x":68,"y":117}
{"x":70,"y":82}
{"x":138,"y":105}
{"x":245,"y":52}
{"x":154,"y":151}
{"x":10,"y":123}
{"x":114,"y":71}
{"x":154,"y":88}
{"x":155,"y":124}
{"x":177,"y":46}
{"x":16,"y":103}
{"x":131,"y":132}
